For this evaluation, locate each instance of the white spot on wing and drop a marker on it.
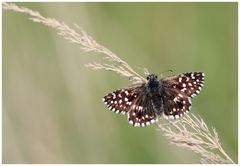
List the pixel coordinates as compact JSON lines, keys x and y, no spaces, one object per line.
{"x":176,"y":116}
{"x":137,"y":124}
{"x":180,"y":95}
{"x":142,"y":124}
{"x":123,"y":113}
{"x":189,"y":100}
{"x":129,"y":103}
{"x":175,"y":99}
{"x":152,"y":121}
{"x":182,"y":90}
{"x":192,"y":76}
{"x":180,"y":79}
{"x":114,"y":95}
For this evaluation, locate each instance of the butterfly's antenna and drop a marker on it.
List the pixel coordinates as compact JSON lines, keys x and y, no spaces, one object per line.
{"x":161,"y":74}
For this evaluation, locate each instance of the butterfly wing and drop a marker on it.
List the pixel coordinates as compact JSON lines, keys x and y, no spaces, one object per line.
{"x":189,"y":84}
{"x":178,"y":91}
{"x":121,"y":100}
{"x":177,"y":106}
{"x":142,"y":112}
{"x":134,"y":102}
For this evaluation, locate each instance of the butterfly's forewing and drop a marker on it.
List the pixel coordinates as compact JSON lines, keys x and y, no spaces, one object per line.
{"x":121,"y":100}
{"x":188,"y":84}
{"x":178,"y":91}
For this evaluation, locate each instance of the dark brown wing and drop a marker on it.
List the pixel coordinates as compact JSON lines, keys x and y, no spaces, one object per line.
{"x":188,"y":84}
{"x":178,"y":91}
{"x":133,"y":101}
{"x":142,"y":113}
{"x":120,"y":101}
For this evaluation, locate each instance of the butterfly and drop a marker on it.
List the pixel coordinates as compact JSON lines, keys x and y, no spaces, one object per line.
{"x":169,"y":97}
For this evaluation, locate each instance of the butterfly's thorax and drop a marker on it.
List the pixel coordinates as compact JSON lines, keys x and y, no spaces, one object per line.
{"x":153,"y":86}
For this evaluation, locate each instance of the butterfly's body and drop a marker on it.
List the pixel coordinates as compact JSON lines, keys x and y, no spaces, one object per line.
{"x":144,"y":102}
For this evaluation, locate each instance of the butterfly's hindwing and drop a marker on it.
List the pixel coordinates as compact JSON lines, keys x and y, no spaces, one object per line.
{"x":141,"y":113}
{"x":176,"y":107}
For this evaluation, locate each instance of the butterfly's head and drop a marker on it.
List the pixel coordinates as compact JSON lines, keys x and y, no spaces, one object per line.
{"x":153,"y":83}
{"x":152,"y":77}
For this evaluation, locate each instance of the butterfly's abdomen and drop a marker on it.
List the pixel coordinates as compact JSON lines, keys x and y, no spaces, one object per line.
{"x":157,"y":103}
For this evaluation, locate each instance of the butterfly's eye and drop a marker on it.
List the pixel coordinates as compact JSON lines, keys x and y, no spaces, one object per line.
{"x":147,"y":77}
{"x":156,"y":76}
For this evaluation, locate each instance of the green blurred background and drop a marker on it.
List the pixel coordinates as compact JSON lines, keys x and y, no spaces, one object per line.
{"x":52,"y":109}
